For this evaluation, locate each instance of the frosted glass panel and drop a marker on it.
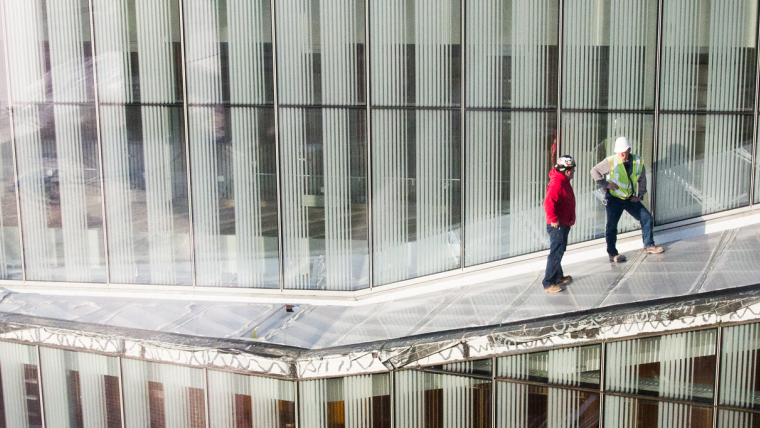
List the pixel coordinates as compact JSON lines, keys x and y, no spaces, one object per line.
{"x":20,"y":385}
{"x":320,"y":52}
{"x":733,"y":419}
{"x":704,"y":165}
{"x":708,"y":55}
{"x":416,"y":52}
{"x":415,"y":193}
{"x":512,"y":53}
{"x":237,"y":401}
{"x":356,"y":401}
{"x":146,"y":194}
{"x":519,"y":405}
{"x":739,"y":369}
{"x":609,"y":56}
{"x":626,"y":412}
{"x":138,"y":51}
{"x":680,"y":366}
{"x":324,"y":183}
{"x":579,"y":366}
{"x":59,"y":181}
{"x":162,"y":395}
{"x":508,"y":158}
{"x":590,"y":138}
{"x":80,"y":389}
{"x":228,"y":51}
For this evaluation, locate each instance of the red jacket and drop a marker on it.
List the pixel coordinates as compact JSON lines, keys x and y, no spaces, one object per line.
{"x":560,"y":200}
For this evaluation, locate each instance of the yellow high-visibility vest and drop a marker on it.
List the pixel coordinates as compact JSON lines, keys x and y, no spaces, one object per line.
{"x":626,"y":184}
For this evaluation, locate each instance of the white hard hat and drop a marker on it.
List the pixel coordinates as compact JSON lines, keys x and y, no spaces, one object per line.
{"x":564,"y":163}
{"x":622,"y":144}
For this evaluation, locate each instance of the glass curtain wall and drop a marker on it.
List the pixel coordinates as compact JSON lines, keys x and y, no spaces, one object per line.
{"x":10,"y":248}
{"x":50,"y":64}
{"x":323,"y":140}
{"x":609,"y":62}
{"x":416,"y":151}
{"x":232,"y":142}
{"x":353,"y":401}
{"x":237,"y":401}
{"x":709,"y":51}
{"x":138,"y":60}
{"x":511,"y":63}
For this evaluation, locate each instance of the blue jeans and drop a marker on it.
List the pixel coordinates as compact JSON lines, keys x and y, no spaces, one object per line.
{"x":558,"y":240}
{"x":637,"y":210}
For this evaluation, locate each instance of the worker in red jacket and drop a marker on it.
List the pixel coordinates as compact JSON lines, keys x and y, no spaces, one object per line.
{"x":560,"y":215}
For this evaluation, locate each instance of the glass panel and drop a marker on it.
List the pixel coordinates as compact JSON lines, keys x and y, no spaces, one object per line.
{"x":59,"y":181}
{"x":732,"y":419}
{"x":476,"y":367}
{"x":416,"y":52}
{"x":512,"y":53}
{"x":320,"y":59}
{"x":590,"y":138}
{"x":704,"y":165}
{"x":708,"y":55}
{"x":237,"y":401}
{"x":519,"y":405}
{"x":625,"y":412}
{"x":232,"y":154}
{"x":436,"y":400}
{"x":139,"y":56}
{"x":609,"y":56}
{"x":80,"y":389}
{"x":163,"y":395}
{"x":739,"y":366}
{"x":324,"y":184}
{"x":10,"y":248}
{"x":228,"y":51}
{"x":415,"y":192}
{"x":509,"y":155}
{"x":352,"y":401}
{"x":146,"y":194}
{"x":20,"y":385}
{"x":50,"y":59}
{"x":680,"y":366}
{"x":578,"y":366}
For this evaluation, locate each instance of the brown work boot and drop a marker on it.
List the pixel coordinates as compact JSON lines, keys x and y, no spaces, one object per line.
{"x":565,"y":280}
{"x":554,"y":289}
{"x":654,"y":250}
{"x":618,"y":258}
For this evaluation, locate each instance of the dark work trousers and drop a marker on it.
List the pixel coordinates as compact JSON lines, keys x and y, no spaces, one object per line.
{"x":558,"y":240}
{"x":637,"y":210}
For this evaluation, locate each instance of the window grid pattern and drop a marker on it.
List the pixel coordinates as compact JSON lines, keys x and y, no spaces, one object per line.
{"x":494,"y":74}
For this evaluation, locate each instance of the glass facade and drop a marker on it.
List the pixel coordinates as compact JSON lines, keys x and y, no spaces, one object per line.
{"x":340,"y":145}
{"x":700,"y":378}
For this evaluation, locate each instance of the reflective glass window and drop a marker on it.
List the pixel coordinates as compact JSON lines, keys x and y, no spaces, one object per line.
{"x":324,"y":184}
{"x":416,"y":52}
{"x":437,"y":400}
{"x":508,"y":158}
{"x":609,"y":54}
{"x":10,"y":248}
{"x":734,"y":419}
{"x":512,"y":53}
{"x":320,"y":52}
{"x":228,"y":49}
{"x":233,"y":174}
{"x":709,"y":53}
{"x":237,"y":401}
{"x":416,"y":193}
{"x":625,"y":412}
{"x":680,"y":366}
{"x":146,"y":194}
{"x":80,"y":389}
{"x":163,"y":395}
{"x":521,"y":405}
{"x":740,"y":366}
{"x":139,"y":57}
{"x":590,"y":138}
{"x":580,"y":366}
{"x":20,"y":380}
{"x":355,"y":401}
{"x":703,"y":164}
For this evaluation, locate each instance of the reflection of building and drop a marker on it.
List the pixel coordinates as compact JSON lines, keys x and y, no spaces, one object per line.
{"x":352,"y":156}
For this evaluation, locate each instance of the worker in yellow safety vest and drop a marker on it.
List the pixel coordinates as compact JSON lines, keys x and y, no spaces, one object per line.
{"x":623,"y":177}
